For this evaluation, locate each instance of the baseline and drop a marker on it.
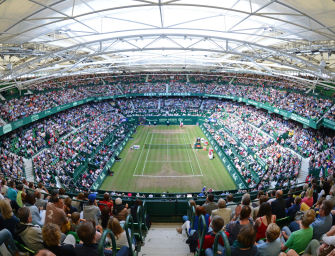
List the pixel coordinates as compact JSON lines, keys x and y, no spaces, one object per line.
{"x":168,"y":176}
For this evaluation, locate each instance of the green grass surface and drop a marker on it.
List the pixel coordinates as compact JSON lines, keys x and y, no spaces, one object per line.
{"x":166,"y":161}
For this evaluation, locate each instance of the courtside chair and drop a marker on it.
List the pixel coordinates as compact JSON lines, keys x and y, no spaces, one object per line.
{"x":226,"y":244}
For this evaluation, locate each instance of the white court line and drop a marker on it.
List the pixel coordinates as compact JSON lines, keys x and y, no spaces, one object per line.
{"x":167,"y":150}
{"x":189,"y":158}
{"x":138,"y":160}
{"x":159,"y":176}
{"x":154,"y":161}
{"x":196,"y":158}
{"x":146,"y":158}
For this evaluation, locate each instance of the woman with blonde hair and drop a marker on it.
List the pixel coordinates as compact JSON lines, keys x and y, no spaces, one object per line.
{"x":118,"y":231}
{"x":7,"y":219}
{"x":308,"y":199}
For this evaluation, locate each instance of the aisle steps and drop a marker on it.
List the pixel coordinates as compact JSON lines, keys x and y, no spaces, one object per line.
{"x":28,"y":168}
{"x":163,"y":240}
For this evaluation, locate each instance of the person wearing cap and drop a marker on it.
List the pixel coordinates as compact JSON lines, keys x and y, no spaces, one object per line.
{"x":92,"y":211}
{"x":120,"y":211}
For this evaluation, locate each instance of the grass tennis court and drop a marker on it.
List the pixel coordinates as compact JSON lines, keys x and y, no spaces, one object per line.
{"x":166,"y":161}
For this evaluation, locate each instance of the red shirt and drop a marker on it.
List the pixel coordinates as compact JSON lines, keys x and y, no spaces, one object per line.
{"x":209,"y":240}
{"x":102,"y":204}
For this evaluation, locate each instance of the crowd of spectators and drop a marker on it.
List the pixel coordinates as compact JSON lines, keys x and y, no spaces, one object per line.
{"x":49,"y":222}
{"x":270,"y":90}
{"x":257,"y":228}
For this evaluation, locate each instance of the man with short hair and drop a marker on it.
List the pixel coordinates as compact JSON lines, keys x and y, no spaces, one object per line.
{"x":210,"y":205}
{"x":272,"y":246}
{"x":292,"y":210}
{"x":230,"y":203}
{"x":278,"y":205}
{"x":222,"y":211}
{"x":11,"y":192}
{"x":323,"y":222}
{"x":30,"y":234}
{"x":92,"y":211}
{"x":55,"y":213}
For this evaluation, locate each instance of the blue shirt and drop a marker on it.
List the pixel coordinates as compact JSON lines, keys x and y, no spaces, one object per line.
{"x":269,"y":249}
{"x":321,"y":226}
{"x":11,"y":194}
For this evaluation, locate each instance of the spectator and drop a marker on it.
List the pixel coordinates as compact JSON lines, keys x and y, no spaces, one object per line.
{"x":86,"y":233}
{"x":278,"y":205}
{"x":217,"y":225}
{"x":20,"y":194}
{"x":230,"y":203}
{"x":119,"y":232}
{"x":324,"y":221}
{"x":245,"y":243}
{"x":92,"y":211}
{"x":75,"y":221}
{"x":7,"y":219}
{"x":291,"y":211}
{"x":11,"y":192}
{"x":265,"y":217}
{"x":120,"y":211}
{"x":52,"y":239}
{"x":210,"y":205}
{"x":308,"y":199}
{"x":234,"y":227}
{"x":299,"y":239}
{"x":222,"y":211}
{"x":55,"y":213}
{"x":106,"y":202}
{"x":30,"y":234}
{"x":272,"y":246}
{"x":34,"y":211}
{"x":68,"y":208}
{"x":7,"y":239}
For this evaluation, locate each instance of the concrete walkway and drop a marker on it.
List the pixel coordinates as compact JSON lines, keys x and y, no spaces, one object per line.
{"x":163,"y":240}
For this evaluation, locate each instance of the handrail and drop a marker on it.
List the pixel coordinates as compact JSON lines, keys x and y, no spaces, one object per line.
{"x":139,"y":216}
{"x":130,"y":237}
{"x":101,"y":245}
{"x":202,"y":231}
{"x":225,"y":241}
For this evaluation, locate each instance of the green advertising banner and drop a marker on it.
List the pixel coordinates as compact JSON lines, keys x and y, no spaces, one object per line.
{"x":238,"y":179}
{"x":328,"y":123}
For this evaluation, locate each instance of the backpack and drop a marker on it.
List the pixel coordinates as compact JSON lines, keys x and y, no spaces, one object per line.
{"x":192,"y":241}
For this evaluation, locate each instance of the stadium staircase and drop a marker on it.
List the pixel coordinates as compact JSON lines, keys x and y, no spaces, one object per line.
{"x":163,"y":239}
{"x":304,"y":170}
{"x":2,"y":97}
{"x":28,"y":169}
{"x":2,"y":122}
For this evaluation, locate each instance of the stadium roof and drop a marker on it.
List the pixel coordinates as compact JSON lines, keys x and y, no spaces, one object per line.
{"x":46,"y":38}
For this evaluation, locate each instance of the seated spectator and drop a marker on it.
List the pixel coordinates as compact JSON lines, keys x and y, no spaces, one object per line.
{"x":210,"y":205}
{"x":265,"y":217}
{"x":245,"y":243}
{"x":20,"y":194}
{"x":292,"y":210}
{"x":308,"y":199}
{"x":68,"y":208}
{"x":328,"y":244}
{"x":234,"y":227}
{"x":52,"y":240}
{"x":278,"y":205}
{"x":7,"y":239}
{"x":230,"y":203}
{"x":92,"y":211}
{"x":30,"y":234}
{"x":186,"y":227}
{"x":133,"y":209}
{"x":106,"y":202}
{"x":222,"y":211}
{"x":217,"y":225}
{"x":75,"y":221}
{"x":324,"y":221}
{"x":78,"y":202}
{"x":11,"y":192}
{"x":40,"y":203}
{"x":298,"y":240}
{"x":34,"y":211}
{"x":120,"y":211}
{"x":119,"y":232}
{"x":86,"y":233}
{"x":104,"y":218}
{"x":272,"y":246}
{"x":7,"y":219}
{"x":55,"y":213}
